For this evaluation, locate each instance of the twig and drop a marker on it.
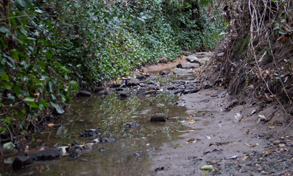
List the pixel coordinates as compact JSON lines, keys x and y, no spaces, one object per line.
{"x":260,"y":71}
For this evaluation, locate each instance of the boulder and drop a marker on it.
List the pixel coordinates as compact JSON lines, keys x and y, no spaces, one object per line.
{"x":188,"y":65}
{"x":21,"y":162}
{"x":47,"y":154}
{"x":159,"y":118}
{"x":84,"y":93}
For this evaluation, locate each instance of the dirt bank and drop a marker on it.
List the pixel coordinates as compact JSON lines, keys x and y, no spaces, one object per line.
{"x":234,"y":142}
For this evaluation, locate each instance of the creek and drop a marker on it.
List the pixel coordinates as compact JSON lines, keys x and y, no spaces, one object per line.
{"x":134,"y":149}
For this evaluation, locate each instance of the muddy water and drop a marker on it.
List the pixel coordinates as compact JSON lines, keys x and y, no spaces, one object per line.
{"x":110,"y":114}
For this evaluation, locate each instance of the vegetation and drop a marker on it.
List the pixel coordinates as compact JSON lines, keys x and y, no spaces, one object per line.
{"x":258,"y":51}
{"x":50,"y":48}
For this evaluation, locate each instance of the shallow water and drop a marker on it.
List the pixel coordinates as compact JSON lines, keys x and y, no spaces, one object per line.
{"x":110,"y":114}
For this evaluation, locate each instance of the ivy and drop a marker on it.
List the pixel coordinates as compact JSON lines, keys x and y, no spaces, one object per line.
{"x":48,"y":49}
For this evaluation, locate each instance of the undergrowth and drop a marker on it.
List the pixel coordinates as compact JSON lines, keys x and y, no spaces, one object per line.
{"x":50,"y":48}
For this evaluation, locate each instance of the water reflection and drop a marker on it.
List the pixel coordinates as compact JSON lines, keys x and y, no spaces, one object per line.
{"x":129,"y":155}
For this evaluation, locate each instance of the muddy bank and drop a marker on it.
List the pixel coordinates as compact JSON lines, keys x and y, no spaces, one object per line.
{"x":237,"y":141}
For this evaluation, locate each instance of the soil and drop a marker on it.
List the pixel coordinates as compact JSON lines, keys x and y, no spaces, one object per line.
{"x":229,"y":135}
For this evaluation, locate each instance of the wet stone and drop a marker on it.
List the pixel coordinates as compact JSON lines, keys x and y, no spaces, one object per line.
{"x":90,"y":133}
{"x":84,"y":93}
{"x":75,"y":151}
{"x":132,"y":125}
{"x":88,"y":147}
{"x":158,"y":118}
{"x":137,"y":154}
{"x":21,"y":162}
{"x":48,"y":154}
{"x":123,"y":94}
{"x":108,"y":139}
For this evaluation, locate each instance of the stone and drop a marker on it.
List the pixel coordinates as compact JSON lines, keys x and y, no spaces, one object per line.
{"x":141,"y":77}
{"x":137,"y":154}
{"x":188,"y":65}
{"x":204,"y":54}
{"x":165,"y":72}
{"x":276,"y":142}
{"x":108,"y":139}
{"x":75,"y":151}
{"x":191,"y":58}
{"x":195,"y":59}
{"x":282,"y":145}
{"x":123,"y":94}
{"x":212,"y":162}
{"x":160,"y":117}
{"x":132,"y":124}
{"x":163,"y":60}
{"x":98,"y":89}
{"x":21,"y":162}
{"x":48,"y":154}
{"x":160,"y":105}
{"x":180,"y":71}
{"x":186,"y":53}
{"x":131,"y":82}
{"x":84,"y":93}
{"x":207,"y":85}
{"x":90,"y":133}
{"x":88,"y":146}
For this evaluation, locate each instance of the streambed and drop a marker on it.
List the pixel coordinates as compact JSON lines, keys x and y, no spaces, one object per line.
{"x":131,"y":154}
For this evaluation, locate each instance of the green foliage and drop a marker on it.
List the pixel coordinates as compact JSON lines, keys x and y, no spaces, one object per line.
{"x":50,"y":48}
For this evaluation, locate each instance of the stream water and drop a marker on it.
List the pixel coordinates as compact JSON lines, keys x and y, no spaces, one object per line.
{"x":131,"y":154}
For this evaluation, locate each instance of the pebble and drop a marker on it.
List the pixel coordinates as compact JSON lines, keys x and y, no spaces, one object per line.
{"x":276,"y":142}
{"x":282,"y":145}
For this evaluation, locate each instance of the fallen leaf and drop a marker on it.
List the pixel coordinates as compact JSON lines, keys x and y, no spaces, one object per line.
{"x":192,"y":122}
{"x":243,"y":159}
{"x":50,"y":124}
{"x":207,"y":167}
{"x":180,"y":145}
{"x":253,"y":129}
{"x":271,"y":127}
{"x":241,"y":120}
{"x":272,"y":95}
{"x":251,"y":145}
